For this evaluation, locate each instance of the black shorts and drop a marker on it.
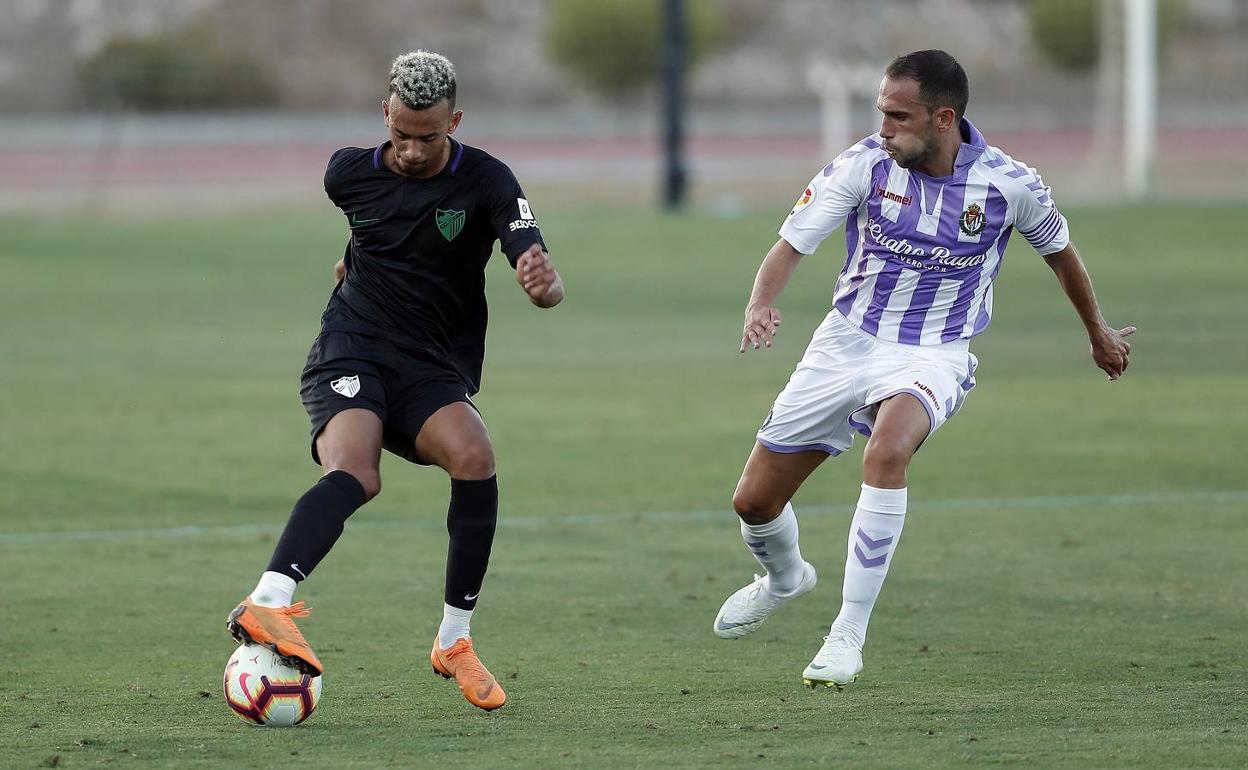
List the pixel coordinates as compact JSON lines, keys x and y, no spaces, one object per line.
{"x":346,"y":370}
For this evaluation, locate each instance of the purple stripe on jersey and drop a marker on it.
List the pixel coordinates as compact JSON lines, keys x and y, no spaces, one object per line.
{"x":981,"y":321}
{"x":885,"y":282}
{"x":1036,"y":185}
{"x":869,"y":142}
{"x":1039,"y":227}
{"x":961,"y":307}
{"x":459,"y":154}
{"x":920,"y":303}
{"x":879,"y":177}
{"x":1002,"y":242}
{"x":994,"y":209}
{"x":377,"y":154}
{"x":1046,"y":233}
{"x":1019,"y":170}
{"x":908,"y":218}
{"x":950,"y":216}
{"x":995,"y":162}
{"x":851,"y":238}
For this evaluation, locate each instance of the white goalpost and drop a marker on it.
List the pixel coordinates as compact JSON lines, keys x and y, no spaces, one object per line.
{"x":1140,"y":97}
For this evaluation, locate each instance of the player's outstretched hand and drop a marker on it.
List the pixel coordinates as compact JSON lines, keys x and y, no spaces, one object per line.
{"x":536,"y":274}
{"x":1111,"y":351}
{"x":340,"y":269}
{"x":761,"y":325}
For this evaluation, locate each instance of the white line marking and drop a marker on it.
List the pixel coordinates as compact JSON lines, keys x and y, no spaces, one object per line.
{"x":1008,"y":503}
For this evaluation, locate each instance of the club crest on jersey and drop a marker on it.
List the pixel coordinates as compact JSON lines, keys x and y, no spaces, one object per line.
{"x":972,"y":221}
{"x":804,"y":201}
{"x":450,"y":222}
{"x":347,"y":386}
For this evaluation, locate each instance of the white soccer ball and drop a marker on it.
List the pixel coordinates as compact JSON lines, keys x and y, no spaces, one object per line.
{"x":264,"y":691}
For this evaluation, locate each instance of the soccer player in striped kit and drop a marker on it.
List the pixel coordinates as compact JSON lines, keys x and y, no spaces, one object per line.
{"x":928,"y":207}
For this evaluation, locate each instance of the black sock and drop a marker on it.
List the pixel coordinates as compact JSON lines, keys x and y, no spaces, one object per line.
{"x":315,"y":524}
{"x":470,"y":521}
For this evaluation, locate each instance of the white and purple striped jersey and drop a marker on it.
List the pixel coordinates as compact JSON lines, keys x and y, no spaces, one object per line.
{"x":923,"y":251}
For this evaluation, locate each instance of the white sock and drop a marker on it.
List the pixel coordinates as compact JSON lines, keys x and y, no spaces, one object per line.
{"x":873,"y":537}
{"x":454,"y":625}
{"x":274,"y":590}
{"x":774,"y":544}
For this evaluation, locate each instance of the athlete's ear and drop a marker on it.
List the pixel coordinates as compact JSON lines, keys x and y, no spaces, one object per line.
{"x":946,"y":118}
{"x":455,"y":118}
{"x":385,"y":111}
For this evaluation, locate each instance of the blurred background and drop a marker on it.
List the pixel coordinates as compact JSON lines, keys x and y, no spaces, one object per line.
{"x":1068,"y":595}
{"x":224,"y":105}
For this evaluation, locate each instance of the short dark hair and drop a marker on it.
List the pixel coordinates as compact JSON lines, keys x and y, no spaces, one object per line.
{"x":942,"y":81}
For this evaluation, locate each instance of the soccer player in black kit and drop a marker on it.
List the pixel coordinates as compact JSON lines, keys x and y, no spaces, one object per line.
{"x":399,"y":356}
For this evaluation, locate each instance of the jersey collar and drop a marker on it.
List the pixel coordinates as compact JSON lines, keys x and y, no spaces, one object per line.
{"x":973,"y":145}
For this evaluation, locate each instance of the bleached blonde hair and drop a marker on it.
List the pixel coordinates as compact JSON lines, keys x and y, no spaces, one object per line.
{"x":422,"y":79}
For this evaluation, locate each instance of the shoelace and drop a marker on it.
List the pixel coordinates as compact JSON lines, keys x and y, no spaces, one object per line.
{"x":838,"y":635}
{"x":296,"y":610}
{"x":472,"y":662}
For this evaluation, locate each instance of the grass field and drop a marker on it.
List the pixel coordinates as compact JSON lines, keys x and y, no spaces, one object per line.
{"x":1066,"y":594}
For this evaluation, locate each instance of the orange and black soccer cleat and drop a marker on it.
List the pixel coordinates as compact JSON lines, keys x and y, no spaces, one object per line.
{"x":460,"y":662}
{"x":274,"y":628}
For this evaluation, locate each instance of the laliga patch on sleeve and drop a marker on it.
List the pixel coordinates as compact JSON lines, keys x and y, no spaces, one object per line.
{"x":525,"y":211}
{"x":803,"y":201}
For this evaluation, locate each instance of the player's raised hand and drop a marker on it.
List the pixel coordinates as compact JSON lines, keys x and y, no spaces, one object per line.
{"x":761,"y":326}
{"x":1111,"y":351}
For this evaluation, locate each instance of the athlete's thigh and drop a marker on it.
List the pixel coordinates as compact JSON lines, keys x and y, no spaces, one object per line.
{"x":351,"y":441}
{"x":770,"y":479}
{"x":453,"y":435}
{"x":901,"y":425}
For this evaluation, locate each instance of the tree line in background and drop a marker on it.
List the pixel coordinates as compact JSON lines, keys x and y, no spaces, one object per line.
{"x":611,"y":47}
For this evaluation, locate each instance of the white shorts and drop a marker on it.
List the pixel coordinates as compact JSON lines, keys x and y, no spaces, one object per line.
{"x":846,"y":373}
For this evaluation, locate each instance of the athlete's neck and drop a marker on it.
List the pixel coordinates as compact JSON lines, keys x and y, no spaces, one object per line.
{"x":390,"y":160}
{"x":940,"y":162}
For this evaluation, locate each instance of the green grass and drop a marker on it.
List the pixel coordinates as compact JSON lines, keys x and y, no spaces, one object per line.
{"x":150,"y":377}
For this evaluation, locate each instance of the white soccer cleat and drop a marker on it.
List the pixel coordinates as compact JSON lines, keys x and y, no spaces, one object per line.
{"x":746,"y":609}
{"x":837,"y":663}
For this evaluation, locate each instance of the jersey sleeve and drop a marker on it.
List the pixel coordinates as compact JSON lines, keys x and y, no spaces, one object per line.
{"x":510,"y":215}
{"x":334,"y":173}
{"x":1035,"y":215}
{"x":834,"y":192}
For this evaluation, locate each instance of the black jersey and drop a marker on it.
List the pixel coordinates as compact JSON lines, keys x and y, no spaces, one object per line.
{"x":418,"y":249}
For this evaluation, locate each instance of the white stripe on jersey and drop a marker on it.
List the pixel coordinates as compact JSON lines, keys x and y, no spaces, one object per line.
{"x":866,"y":290}
{"x":898,"y":301}
{"x":928,"y":224}
{"x":976,"y":192}
{"x":942,"y":303}
{"x":984,"y":289}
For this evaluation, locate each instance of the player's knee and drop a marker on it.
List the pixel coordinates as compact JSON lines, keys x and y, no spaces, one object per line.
{"x":885,"y":460}
{"x":370,"y":480}
{"x":754,"y":508}
{"x":472,"y":461}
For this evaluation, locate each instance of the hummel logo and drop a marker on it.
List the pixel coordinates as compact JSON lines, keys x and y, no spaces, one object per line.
{"x":295,"y":567}
{"x":356,"y":221}
{"x":468,"y":598}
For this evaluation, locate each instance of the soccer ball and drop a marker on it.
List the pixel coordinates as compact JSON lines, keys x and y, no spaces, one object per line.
{"x":264,"y":691}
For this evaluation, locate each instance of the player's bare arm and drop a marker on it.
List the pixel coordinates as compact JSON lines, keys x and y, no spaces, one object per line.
{"x":1110,"y":349}
{"x":536,"y":274}
{"x":340,"y":269}
{"x":762,"y":321}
